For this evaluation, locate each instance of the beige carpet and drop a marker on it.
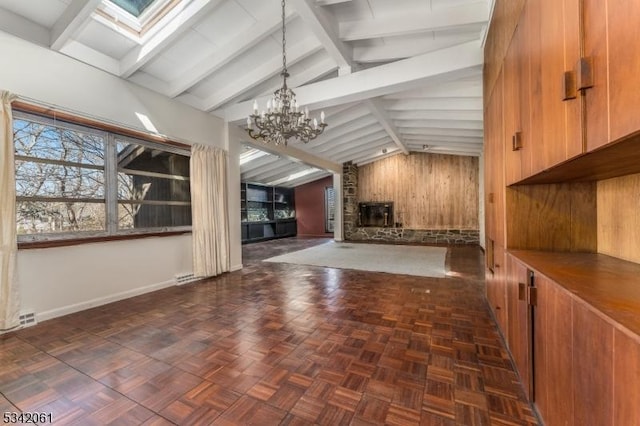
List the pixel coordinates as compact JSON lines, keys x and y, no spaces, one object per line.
{"x":422,"y":261}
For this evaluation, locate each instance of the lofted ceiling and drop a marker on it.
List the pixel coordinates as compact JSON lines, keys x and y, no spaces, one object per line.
{"x":393,"y":77}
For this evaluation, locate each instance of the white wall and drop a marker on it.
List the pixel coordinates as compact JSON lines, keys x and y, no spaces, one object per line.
{"x":55,"y":281}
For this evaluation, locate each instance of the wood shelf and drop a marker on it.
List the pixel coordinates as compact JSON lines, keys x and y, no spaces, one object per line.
{"x":609,"y":285}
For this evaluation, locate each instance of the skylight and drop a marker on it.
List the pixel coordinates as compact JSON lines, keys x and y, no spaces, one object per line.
{"x":134,"y":7}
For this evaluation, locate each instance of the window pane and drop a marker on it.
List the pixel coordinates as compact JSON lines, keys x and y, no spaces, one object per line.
{"x":34,"y":217}
{"x":134,"y":7}
{"x":134,"y":187}
{"x":133,"y":216}
{"x":143,"y":158}
{"x":52,"y":180}
{"x":57,"y":143}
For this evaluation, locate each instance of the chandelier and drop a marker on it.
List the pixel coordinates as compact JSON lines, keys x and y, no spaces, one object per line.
{"x":283,"y":118}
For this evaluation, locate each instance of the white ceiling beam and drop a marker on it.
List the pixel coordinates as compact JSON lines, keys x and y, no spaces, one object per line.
{"x":238,"y":135}
{"x":466,"y":146}
{"x":431,"y":68}
{"x":254,"y":172}
{"x":347,"y":138}
{"x":75,"y":17}
{"x":85,"y":54}
{"x":320,"y":22}
{"x":378,"y":111}
{"x":258,"y":162}
{"x":283,"y":172}
{"x":457,"y":89}
{"x":372,"y":139}
{"x":231,"y":50}
{"x":370,"y":158}
{"x":413,"y":104}
{"x":284,"y":169}
{"x":330,"y":2}
{"x":426,"y":131}
{"x":259,"y":74}
{"x":140,"y":55}
{"x":311,"y":177}
{"x":439,"y":124}
{"x":393,"y":50}
{"x":318,"y":69}
{"x":444,"y":115}
{"x":441,"y":139}
{"x":362,"y":150}
{"x":452,"y":152}
{"x":414,"y":23}
{"x":21,"y":27}
{"x":365,"y":121}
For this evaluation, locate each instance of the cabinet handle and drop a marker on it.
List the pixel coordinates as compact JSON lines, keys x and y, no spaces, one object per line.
{"x":569,"y":86}
{"x":533,"y":296}
{"x":522,"y":291}
{"x":584,"y":79}
{"x":516,"y":141}
{"x":490,"y":196}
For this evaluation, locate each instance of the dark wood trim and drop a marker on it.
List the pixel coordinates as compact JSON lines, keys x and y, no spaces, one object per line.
{"x":96,"y":124}
{"x":78,"y":241}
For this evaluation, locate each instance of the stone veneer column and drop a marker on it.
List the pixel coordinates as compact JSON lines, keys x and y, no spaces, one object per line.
{"x":350,"y":197}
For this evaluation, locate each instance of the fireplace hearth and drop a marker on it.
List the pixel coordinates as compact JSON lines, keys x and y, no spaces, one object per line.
{"x":379,"y":214}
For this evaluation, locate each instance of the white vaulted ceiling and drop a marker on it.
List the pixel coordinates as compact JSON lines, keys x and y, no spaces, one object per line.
{"x":392,"y":76}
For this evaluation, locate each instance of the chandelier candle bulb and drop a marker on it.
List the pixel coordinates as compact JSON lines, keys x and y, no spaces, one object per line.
{"x":248,"y":123}
{"x":255,"y":107}
{"x":315,"y":123}
{"x":322,"y":116}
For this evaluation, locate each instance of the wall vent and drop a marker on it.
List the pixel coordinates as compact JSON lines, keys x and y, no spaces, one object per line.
{"x":182,"y":279}
{"x":27,"y":319}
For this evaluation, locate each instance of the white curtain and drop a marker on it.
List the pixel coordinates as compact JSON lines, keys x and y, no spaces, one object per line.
{"x":210,"y":216}
{"x":9,"y":296}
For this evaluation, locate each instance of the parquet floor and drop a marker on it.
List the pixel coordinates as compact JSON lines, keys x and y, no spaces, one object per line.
{"x":275,"y":344}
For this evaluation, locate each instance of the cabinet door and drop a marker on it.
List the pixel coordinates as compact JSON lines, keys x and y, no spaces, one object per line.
{"x":496,"y":289}
{"x":494,"y":136}
{"x":552,"y":362}
{"x":593,"y":367}
{"x":612,"y":42}
{"x":626,"y":377}
{"x":519,"y":316}
{"x":554,"y":45}
{"x":512,"y":116}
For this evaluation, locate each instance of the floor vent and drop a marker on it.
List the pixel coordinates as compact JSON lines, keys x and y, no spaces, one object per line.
{"x":182,"y":279}
{"x":28,"y":319}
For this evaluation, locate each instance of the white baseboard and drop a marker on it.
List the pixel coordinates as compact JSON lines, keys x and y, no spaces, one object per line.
{"x":236,"y":267}
{"x":70,"y":309}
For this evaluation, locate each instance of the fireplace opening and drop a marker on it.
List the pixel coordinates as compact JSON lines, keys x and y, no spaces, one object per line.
{"x":379,"y":214}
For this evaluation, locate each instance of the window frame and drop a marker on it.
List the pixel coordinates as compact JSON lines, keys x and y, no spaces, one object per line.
{"x":111,"y":137}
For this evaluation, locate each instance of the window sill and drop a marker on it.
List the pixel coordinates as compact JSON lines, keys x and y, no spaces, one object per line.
{"x":27,"y":245}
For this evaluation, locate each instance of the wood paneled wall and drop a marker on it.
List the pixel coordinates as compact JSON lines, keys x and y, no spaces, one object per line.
{"x":431,"y":191}
{"x":503,"y":24}
{"x":619,"y":217}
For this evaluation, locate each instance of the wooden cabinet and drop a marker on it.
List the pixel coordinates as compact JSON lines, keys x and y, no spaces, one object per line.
{"x":612,"y":43}
{"x":494,"y":161}
{"x":266,"y":212}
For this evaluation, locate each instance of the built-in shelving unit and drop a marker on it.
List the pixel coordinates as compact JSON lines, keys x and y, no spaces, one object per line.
{"x":267,"y":212}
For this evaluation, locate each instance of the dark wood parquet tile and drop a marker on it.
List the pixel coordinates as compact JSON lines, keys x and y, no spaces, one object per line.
{"x":275,"y":344}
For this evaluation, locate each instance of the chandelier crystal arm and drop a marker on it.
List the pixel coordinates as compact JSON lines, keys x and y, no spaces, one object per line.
{"x":282,"y":119}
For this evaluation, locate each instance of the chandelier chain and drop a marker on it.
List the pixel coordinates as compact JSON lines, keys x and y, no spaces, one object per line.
{"x":284,"y":43}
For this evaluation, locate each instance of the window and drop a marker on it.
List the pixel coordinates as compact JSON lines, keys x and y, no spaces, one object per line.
{"x":74,"y":181}
{"x":329,"y":209}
